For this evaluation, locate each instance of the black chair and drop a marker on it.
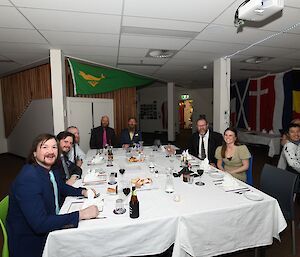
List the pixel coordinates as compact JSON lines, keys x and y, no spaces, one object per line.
{"x":280,"y":184}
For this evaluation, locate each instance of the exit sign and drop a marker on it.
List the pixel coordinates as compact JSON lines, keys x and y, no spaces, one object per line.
{"x":185,"y":97}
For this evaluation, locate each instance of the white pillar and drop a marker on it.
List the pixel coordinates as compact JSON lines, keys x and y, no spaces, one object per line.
{"x":171,"y":120}
{"x":3,"y":141}
{"x":221,"y":102}
{"x":58,"y":85}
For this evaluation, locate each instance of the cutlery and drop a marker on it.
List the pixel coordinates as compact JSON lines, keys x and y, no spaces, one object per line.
{"x":101,"y":217}
{"x":242,"y":191}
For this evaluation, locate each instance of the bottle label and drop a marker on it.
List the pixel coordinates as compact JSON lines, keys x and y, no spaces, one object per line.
{"x":134,"y":210}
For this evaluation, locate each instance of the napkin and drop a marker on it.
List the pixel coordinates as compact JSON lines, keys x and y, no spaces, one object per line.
{"x":97,"y":159}
{"x":93,"y":201}
{"x":204,"y":164}
{"x":264,"y":131}
{"x":271,"y":132}
{"x":91,"y":176}
{"x":230,"y":183}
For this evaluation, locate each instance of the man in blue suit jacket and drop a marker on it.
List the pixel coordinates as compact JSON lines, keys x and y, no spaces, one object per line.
{"x":130,"y":135}
{"x":33,"y":201}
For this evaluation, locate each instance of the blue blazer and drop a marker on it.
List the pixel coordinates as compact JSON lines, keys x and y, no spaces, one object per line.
{"x":125,"y":137}
{"x":31,"y":211}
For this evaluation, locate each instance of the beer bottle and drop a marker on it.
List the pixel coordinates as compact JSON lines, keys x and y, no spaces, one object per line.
{"x":110,"y":154}
{"x":134,"y":207}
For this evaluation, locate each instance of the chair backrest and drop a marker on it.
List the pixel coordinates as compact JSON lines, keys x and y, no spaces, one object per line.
{"x":3,"y":214}
{"x":249,"y":172}
{"x":279,"y":184}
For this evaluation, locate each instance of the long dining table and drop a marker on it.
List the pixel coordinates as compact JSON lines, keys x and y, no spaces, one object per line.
{"x":206,"y":220}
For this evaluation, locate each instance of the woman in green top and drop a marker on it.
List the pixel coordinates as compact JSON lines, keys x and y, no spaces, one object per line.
{"x":234,"y":156}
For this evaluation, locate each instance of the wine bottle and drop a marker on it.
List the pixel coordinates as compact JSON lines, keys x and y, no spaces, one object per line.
{"x":134,"y":205}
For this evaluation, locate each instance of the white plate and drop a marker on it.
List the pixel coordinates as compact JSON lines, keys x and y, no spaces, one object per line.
{"x":253,"y":196}
{"x":216,"y":175}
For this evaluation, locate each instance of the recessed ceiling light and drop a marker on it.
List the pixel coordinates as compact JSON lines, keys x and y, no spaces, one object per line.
{"x":257,"y":59}
{"x":160,"y":53}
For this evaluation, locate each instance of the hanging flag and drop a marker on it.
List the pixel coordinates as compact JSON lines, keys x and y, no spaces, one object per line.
{"x":89,"y":79}
{"x":296,"y":104}
{"x":240,"y":92}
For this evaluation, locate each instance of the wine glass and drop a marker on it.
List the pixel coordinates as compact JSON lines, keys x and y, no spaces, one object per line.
{"x":126,"y":190}
{"x":172,"y":160}
{"x":200,"y":173}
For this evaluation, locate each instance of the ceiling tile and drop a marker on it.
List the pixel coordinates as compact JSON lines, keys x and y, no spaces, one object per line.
{"x":195,"y":56}
{"x":294,"y":55}
{"x":284,"y":40}
{"x":133,"y":52}
{"x":20,"y":48}
{"x":290,"y":16}
{"x":76,"y":38}
{"x":152,"y":42}
{"x":11,"y":18}
{"x":139,"y":69}
{"x":20,"y":35}
{"x":5,"y":2}
{"x":267,"y":51}
{"x":73,"y":21}
{"x":193,"y":10}
{"x":98,"y":59}
{"x":292,"y":3}
{"x":89,"y":50}
{"x":162,"y":24}
{"x":213,"y":47}
{"x":143,"y":60}
{"x":92,"y":6}
{"x":229,"y":34}
{"x":26,"y":58}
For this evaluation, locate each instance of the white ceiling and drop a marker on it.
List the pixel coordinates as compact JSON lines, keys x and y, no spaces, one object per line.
{"x":119,"y":33}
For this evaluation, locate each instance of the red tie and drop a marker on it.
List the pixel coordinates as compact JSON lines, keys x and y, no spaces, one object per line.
{"x":104,"y":137}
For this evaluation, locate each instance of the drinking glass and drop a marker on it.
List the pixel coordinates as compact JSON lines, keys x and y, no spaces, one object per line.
{"x":119,"y":209}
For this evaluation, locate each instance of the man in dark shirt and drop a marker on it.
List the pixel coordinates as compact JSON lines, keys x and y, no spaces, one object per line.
{"x":131,"y":134}
{"x":204,"y":142}
{"x":103,"y":135}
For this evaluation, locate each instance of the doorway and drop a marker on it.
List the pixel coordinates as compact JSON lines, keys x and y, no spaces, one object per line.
{"x":185,"y":114}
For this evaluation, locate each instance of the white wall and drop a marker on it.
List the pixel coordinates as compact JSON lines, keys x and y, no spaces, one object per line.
{"x":156,"y":92}
{"x":3,"y":141}
{"x":202,"y":103}
{"x":37,"y":119}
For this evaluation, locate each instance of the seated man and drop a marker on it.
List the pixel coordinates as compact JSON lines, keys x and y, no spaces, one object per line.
{"x":290,"y":156}
{"x":75,"y":155}
{"x":204,"y":142}
{"x":69,"y":170}
{"x":34,"y":196}
{"x":130,"y":135}
{"x":103,"y":135}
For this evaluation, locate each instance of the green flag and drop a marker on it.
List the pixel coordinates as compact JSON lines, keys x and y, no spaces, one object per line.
{"x":90,"y":79}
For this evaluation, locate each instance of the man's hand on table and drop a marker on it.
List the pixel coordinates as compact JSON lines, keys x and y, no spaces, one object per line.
{"x":90,"y":212}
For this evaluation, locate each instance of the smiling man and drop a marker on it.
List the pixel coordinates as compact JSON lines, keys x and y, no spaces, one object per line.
{"x":69,"y":170}
{"x":204,"y":141}
{"x":33,"y":209}
{"x":291,"y":150}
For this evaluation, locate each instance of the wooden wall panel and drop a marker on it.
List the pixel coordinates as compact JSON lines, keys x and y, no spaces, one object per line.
{"x":19,"y":89}
{"x":124,"y":101}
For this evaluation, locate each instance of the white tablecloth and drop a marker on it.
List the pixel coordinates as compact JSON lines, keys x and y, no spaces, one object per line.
{"x":252,"y":137}
{"x":206,"y":222}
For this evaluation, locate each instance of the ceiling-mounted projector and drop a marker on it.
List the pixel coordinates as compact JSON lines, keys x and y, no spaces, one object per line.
{"x":258,"y":10}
